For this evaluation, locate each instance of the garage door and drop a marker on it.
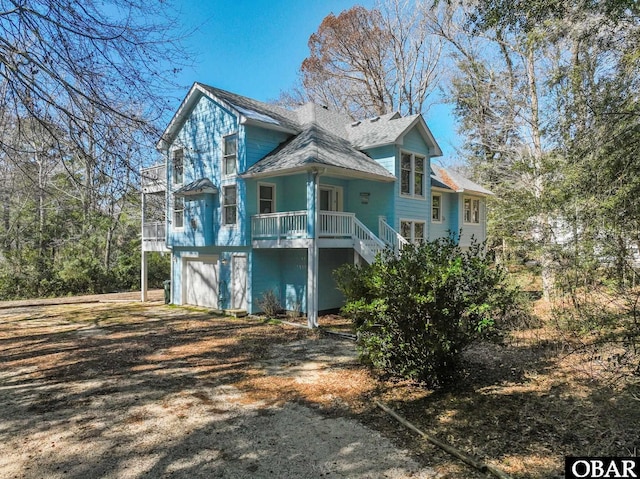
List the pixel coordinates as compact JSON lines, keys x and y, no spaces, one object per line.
{"x":201,"y":282}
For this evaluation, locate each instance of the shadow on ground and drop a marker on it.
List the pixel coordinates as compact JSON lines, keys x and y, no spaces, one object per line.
{"x":132,"y":390}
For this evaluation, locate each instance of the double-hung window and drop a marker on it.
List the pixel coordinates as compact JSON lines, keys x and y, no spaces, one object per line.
{"x":472,"y":210}
{"x":178,"y":166}
{"x":266,"y":198}
{"x":436,"y":208}
{"x":230,"y":205}
{"x":178,"y":212}
{"x":412,"y":174}
{"x":230,"y":155}
{"x":413,"y":231}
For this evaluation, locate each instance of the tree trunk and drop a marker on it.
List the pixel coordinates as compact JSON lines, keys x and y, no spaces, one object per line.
{"x":542,"y":219}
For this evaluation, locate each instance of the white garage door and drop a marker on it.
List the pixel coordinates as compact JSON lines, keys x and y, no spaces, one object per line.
{"x":201,"y":282}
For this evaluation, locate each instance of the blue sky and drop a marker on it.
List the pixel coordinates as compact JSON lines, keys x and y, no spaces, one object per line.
{"x":255,"y":48}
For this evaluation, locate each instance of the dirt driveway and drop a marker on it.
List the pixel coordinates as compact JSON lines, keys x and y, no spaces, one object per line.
{"x":130,"y":390}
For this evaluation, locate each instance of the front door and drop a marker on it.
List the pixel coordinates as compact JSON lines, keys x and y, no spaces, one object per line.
{"x":239,"y":282}
{"x":330,"y":198}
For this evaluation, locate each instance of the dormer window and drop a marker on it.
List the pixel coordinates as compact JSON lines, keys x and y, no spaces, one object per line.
{"x":412,"y":170}
{"x":230,"y":155}
{"x":177,"y":166}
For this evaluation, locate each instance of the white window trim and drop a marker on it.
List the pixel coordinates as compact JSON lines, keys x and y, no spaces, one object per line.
{"x":412,"y":176}
{"x":224,"y":206}
{"x":337,"y":193}
{"x":439,"y":220}
{"x":272,"y":185}
{"x":173,"y":167}
{"x":472,"y":199}
{"x":173,"y":215}
{"x":413,"y":230}
{"x":224,"y":156}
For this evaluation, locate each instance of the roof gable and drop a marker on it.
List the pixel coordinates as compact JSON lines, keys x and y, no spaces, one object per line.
{"x":247,"y":110}
{"x":390,"y":129}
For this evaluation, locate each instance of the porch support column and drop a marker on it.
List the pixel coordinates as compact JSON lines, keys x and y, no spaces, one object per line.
{"x":143,"y":260}
{"x":312,"y":255}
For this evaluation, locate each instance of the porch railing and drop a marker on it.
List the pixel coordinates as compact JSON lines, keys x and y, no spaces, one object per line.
{"x":153,"y":176}
{"x":153,"y":231}
{"x":391,"y":237}
{"x":331,"y":224}
{"x":289,"y":225}
{"x":335,"y":224}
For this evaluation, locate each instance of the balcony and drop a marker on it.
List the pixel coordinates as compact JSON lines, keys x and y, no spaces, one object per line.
{"x":154,"y":179}
{"x":153,"y":236}
{"x":335,"y":230}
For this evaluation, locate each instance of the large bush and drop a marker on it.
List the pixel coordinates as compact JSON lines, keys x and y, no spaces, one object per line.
{"x":416,"y":312}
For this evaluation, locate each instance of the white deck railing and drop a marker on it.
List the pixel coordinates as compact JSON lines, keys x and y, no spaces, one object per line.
{"x":391,"y":237}
{"x":335,"y":224}
{"x":153,"y":176}
{"x":331,"y":224}
{"x":288,"y":225}
{"x":153,"y":231}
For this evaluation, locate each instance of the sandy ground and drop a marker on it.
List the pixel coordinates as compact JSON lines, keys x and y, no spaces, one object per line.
{"x":126,"y":390}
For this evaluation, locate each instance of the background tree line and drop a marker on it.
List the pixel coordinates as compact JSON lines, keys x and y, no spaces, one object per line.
{"x":546,"y":98}
{"x":82,"y":91}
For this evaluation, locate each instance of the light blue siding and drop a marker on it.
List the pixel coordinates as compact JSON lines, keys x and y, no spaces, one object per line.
{"x":379,"y":202}
{"x":201,"y":137}
{"x":449,"y":213}
{"x":414,"y":142}
{"x":260,"y":142}
{"x":285,"y":273}
{"x":329,"y":297}
{"x":385,"y":155}
{"x":412,"y":208}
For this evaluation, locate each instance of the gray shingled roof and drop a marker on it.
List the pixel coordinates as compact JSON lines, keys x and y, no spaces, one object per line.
{"x":316,"y":146}
{"x":330,"y":120}
{"x":256,"y":110}
{"x":331,"y":132}
{"x":197,"y":187}
{"x":378,"y":131}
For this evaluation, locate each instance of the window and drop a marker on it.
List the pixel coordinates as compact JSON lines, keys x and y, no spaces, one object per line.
{"x":412,"y":170}
{"x":266,"y":198}
{"x":418,"y":176}
{"x":178,"y":212}
{"x":230,"y":154}
{"x":436,"y":208}
{"x":405,"y":174}
{"x":413,"y":231}
{"x":230,"y":205}
{"x":178,"y":166}
{"x":471,"y":210}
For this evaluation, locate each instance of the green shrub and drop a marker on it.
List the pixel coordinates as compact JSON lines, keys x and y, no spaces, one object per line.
{"x":416,"y":312}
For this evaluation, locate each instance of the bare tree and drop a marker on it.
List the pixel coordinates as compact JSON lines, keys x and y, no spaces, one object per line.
{"x":90,"y":66}
{"x":371,"y":62}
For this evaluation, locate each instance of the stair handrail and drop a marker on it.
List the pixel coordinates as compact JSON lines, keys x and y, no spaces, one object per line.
{"x":368,"y":243}
{"x":391,"y":237}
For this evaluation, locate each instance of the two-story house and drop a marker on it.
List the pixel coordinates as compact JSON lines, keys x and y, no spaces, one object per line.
{"x":261,"y":198}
